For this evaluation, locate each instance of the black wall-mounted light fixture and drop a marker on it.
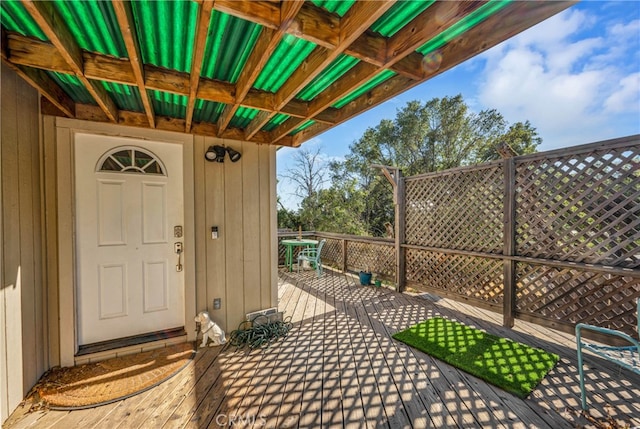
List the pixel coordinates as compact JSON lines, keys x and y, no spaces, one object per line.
{"x":234,"y":155}
{"x":216,"y":153}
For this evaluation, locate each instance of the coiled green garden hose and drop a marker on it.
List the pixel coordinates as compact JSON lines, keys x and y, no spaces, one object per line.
{"x":256,"y":335}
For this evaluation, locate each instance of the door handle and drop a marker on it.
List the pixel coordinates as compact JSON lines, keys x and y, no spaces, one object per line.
{"x":177,"y":247}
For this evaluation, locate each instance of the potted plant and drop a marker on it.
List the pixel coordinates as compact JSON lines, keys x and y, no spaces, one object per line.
{"x":365,"y":277}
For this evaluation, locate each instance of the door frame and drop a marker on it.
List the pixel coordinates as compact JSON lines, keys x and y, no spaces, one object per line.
{"x":65,"y":131}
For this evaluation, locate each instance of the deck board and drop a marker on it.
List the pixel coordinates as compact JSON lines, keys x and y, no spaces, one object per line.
{"x":340,"y":368}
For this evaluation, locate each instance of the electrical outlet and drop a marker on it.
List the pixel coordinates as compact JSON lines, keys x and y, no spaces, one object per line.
{"x":217,"y":303}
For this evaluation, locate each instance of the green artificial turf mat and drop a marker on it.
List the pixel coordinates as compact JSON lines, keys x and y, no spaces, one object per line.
{"x":512,"y":366}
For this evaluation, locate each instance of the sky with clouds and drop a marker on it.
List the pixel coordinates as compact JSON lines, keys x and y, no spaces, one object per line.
{"x":575,"y":77}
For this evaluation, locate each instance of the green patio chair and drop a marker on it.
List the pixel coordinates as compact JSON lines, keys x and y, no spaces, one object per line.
{"x":627,"y":356}
{"x":312,"y":255}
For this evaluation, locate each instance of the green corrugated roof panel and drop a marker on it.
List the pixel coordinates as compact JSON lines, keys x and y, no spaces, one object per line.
{"x":126,"y":97}
{"x":243,"y":116}
{"x":15,"y":18}
{"x":333,"y":72}
{"x":339,"y":7}
{"x":275,"y":121}
{"x":229,"y":44}
{"x":207,"y":111}
{"x":463,"y":25}
{"x":166,"y":31}
{"x":289,"y":54}
{"x":372,"y":83}
{"x":73,"y":87}
{"x":94,"y":26}
{"x":302,"y":126}
{"x":399,"y":15}
{"x":167,"y":104}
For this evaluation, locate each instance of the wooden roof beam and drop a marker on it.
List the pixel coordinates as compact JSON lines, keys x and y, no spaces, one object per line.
{"x":267,"y":42}
{"x":202,"y":31}
{"x":358,"y":18}
{"x":419,"y":31}
{"x":322,"y":28}
{"x":53,"y":26}
{"x":265,"y":13}
{"x":494,"y":30}
{"x":38,"y":79}
{"x":124,"y":14}
{"x":89,"y":112}
{"x":318,"y":26}
{"x":426,"y":26}
{"x":33,"y":53}
{"x":377,"y":95}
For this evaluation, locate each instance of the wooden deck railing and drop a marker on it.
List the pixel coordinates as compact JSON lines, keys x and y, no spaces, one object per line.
{"x":552,"y":237}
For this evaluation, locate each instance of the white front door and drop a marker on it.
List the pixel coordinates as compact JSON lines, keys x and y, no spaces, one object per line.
{"x":129,"y":217}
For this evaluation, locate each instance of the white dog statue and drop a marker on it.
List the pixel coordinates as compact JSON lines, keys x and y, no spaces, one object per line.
{"x":210,"y":330}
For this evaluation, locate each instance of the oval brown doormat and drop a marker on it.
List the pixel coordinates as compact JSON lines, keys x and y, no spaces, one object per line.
{"x":111,"y":380}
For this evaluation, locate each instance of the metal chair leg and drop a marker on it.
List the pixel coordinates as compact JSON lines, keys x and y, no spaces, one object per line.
{"x":583,"y":395}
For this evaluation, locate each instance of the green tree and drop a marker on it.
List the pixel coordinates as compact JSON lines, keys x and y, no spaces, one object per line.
{"x":339,"y":209}
{"x":440,"y":134}
{"x":287,"y":219}
{"x":521,"y":137}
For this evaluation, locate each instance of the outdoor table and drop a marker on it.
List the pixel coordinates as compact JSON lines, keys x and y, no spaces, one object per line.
{"x":290,"y":244}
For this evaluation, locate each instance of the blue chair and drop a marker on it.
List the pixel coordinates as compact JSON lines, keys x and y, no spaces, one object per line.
{"x":312,"y":255}
{"x":627,"y":356}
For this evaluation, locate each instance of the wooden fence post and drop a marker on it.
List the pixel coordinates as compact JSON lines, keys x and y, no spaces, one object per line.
{"x":509,"y":265}
{"x":400,"y":232}
{"x":344,"y":255}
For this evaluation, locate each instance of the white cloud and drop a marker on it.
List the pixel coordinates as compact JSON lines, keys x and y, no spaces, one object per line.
{"x":567,"y":76}
{"x":626,"y":31}
{"x":625,"y":97}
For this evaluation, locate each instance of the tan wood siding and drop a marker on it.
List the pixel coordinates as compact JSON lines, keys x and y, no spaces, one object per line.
{"x":21,"y":293}
{"x":239,"y":198}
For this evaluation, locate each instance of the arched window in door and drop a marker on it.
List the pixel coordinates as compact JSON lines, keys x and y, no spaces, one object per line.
{"x":131,"y":160}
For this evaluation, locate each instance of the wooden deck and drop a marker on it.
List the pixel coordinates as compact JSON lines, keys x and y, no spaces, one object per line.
{"x":339,"y":367}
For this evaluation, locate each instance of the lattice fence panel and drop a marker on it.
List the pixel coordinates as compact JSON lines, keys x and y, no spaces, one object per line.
{"x":281,"y":253}
{"x":574,"y":296}
{"x":458,"y":210}
{"x":377,"y":258}
{"x":467,"y":276}
{"x":581,"y":208}
{"x":332,"y":253}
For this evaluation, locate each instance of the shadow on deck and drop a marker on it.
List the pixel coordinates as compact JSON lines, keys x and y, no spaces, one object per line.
{"x":339,"y":367}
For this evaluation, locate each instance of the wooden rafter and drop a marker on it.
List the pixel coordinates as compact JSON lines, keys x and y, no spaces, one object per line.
{"x":492,"y":31}
{"x":267,"y":43}
{"x":333,"y":35}
{"x":315,"y":25}
{"x":265,"y":13}
{"x":37,"y":54}
{"x":39,"y":80}
{"x":124,"y":14}
{"x":90,"y":112}
{"x":52,"y":24}
{"x":422,"y":28}
{"x":202,"y":30}
{"x":358,"y":18}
